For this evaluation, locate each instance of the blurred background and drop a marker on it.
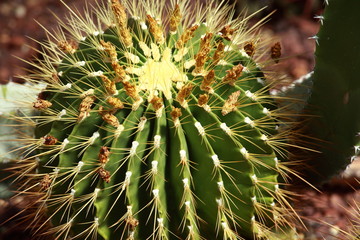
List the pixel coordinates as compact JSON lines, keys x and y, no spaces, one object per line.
{"x":293,"y":23}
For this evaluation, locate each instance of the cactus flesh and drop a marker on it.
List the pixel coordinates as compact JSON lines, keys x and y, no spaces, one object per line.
{"x":159,"y":125}
{"x":336,"y":91}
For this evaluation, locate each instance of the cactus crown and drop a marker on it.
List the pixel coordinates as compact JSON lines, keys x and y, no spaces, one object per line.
{"x":158,"y":125}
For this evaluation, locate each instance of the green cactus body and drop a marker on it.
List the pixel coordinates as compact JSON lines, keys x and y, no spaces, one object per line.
{"x":153,"y":134}
{"x":336,"y":91}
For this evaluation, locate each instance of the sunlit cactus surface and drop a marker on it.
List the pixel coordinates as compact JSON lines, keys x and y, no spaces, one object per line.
{"x":156,"y":123}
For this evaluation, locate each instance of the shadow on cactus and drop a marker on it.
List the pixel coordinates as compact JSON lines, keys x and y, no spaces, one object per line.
{"x":336,"y":91}
{"x":157,"y":123}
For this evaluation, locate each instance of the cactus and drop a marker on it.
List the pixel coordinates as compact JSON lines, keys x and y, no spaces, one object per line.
{"x":159,"y":125}
{"x":336,"y":92}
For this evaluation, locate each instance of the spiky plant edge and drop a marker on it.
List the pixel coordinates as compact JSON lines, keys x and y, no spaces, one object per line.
{"x":53,"y":56}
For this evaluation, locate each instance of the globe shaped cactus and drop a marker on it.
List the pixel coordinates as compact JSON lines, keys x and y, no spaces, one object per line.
{"x":156,"y":123}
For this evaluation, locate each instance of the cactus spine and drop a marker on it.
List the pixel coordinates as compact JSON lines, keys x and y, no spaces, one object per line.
{"x":158,"y":126}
